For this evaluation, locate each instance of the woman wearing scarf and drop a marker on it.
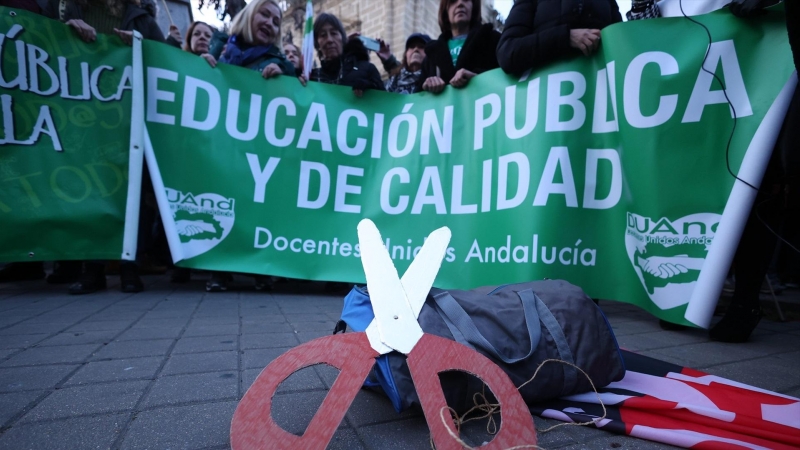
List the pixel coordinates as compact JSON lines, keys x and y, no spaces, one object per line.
{"x":255,"y":41}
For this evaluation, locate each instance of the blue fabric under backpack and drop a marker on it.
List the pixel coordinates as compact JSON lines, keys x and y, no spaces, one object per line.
{"x":517,"y":326}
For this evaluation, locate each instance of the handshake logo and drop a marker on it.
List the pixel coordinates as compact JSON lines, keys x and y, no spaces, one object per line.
{"x":202,"y":221}
{"x":668,"y":255}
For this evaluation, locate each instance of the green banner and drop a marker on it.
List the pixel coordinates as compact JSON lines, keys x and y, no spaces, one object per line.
{"x":66,"y":121}
{"x":609,"y":171}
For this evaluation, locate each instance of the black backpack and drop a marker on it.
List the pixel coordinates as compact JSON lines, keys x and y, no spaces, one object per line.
{"x":517,"y":326}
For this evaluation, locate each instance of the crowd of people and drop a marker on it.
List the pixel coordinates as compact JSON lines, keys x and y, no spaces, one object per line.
{"x":536,"y":33}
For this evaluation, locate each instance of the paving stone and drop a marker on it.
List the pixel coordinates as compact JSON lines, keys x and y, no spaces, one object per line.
{"x":201,"y":362}
{"x":262,"y":319}
{"x":306,"y":336}
{"x":21,"y":340}
{"x":707,"y":354}
{"x":267,"y":327}
{"x":295,"y":318}
{"x":400,"y":435}
{"x":293,"y":412}
{"x":212,"y":330}
{"x":371,"y":407}
{"x":51,"y":355}
{"x":660,"y":339}
{"x":206,"y":344}
{"x":116,"y":370}
{"x":136,"y":334}
{"x":6,"y":352}
{"x":29,"y":378}
{"x":103,"y":325}
{"x":134,"y":349}
{"x":327,"y":373}
{"x":85,"y":400}
{"x":345,"y":439}
{"x":261,"y":357}
{"x":33,"y":328}
{"x":208,"y":321}
{"x":196,"y":426}
{"x":79,"y":337}
{"x":13,"y":404}
{"x":161,"y":323}
{"x":269,"y":340}
{"x":193,"y":388}
{"x":325,"y":326}
{"x":76,"y":433}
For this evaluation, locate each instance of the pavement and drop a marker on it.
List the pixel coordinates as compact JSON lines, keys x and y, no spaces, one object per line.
{"x":165,"y":368}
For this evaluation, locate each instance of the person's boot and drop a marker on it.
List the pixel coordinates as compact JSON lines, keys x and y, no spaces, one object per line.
{"x":180,"y":275}
{"x":92,"y":280}
{"x":129,"y":280}
{"x":737,"y":324}
{"x":21,"y":271}
{"x":65,"y":272}
{"x":218,"y":282}
{"x":264,"y":283}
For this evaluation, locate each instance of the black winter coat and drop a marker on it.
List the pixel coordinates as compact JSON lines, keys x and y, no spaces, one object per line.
{"x":537,"y":31}
{"x":351,"y":69}
{"x":134,"y":18}
{"x":477,"y":55}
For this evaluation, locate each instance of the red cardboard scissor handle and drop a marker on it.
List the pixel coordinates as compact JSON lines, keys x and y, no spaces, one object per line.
{"x":254,"y":428}
{"x":433,"y":355}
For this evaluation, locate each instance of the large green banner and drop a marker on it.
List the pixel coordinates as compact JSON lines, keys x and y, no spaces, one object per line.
{"x":64,"y":159}
{"x":609,"y":171}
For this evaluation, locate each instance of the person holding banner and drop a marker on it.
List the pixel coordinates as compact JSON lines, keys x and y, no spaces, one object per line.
{"x":464,"y":49}
{"x":343,"y":62}
{"x":198,"y":41}
{"x":118,"y":17}
{"x":538,"y":32}
{"x":406,"y":81}
{"x":255,"y":41}
{"x":294,"y":55}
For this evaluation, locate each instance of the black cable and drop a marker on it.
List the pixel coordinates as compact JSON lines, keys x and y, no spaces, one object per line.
{"x":724,"y":92}
{"x":733,"y":130}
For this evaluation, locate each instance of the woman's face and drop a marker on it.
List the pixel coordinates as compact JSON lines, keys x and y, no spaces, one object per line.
{"x":415,"y":55}
{"x":292,"y":54}
{"x":266,"y":24}
{"x":200,"y":38}
{"x":329,"y":40}
{"x":459,"y":11}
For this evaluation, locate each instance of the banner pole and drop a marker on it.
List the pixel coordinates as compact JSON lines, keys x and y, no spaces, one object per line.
{"x":136,"y":154}
{"x":173,"y":240}
{"x":715,"y":268}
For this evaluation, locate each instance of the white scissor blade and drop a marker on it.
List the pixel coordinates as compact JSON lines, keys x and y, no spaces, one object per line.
{"x":419,"y":276}
{"x":396,"y":321}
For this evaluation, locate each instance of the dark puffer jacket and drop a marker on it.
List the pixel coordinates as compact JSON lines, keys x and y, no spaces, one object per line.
{"x":352,"y":69}
{"x":477,"y":55}
{"x":537,"y":31}
{"x":134,"y":18}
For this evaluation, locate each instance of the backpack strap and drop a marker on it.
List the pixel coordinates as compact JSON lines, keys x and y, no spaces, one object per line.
{"x":557,"y":333}
{"x":465,"y":332}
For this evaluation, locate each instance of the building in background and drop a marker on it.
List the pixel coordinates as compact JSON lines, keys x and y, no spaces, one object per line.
{"x":390,"y":20}
{"x":180,"y":11}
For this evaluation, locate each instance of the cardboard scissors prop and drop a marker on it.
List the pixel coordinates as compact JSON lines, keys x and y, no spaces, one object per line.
{"x":396,"y":303}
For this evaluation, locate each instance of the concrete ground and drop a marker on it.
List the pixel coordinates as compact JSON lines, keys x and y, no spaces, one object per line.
{"x":166,"y":368}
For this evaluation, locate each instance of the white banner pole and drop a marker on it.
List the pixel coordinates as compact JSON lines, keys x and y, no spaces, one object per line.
{"x":715,"y":268}
{"x":136,"y":154}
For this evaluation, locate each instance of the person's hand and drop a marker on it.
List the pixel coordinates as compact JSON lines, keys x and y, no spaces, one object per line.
{"x":434,"y":85}
{"x":271,"y":70}
{"x":84,"y":30}
{"x":126,"y":36}
{"x":209,"y":59}
{"x":175,"y":33}
{"x":353,"y":35}
{"x":461,"y":78}
{"x":302,"y":80}
{"x":384,"y":52}
{"x":359,"y":92}
{"x":585,"y":40}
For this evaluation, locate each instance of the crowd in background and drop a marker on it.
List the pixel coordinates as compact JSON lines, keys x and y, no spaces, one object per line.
{"x":536,"y":33}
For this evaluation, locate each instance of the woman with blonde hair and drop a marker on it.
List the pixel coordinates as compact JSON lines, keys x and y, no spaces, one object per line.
{"x":255,"y":41}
